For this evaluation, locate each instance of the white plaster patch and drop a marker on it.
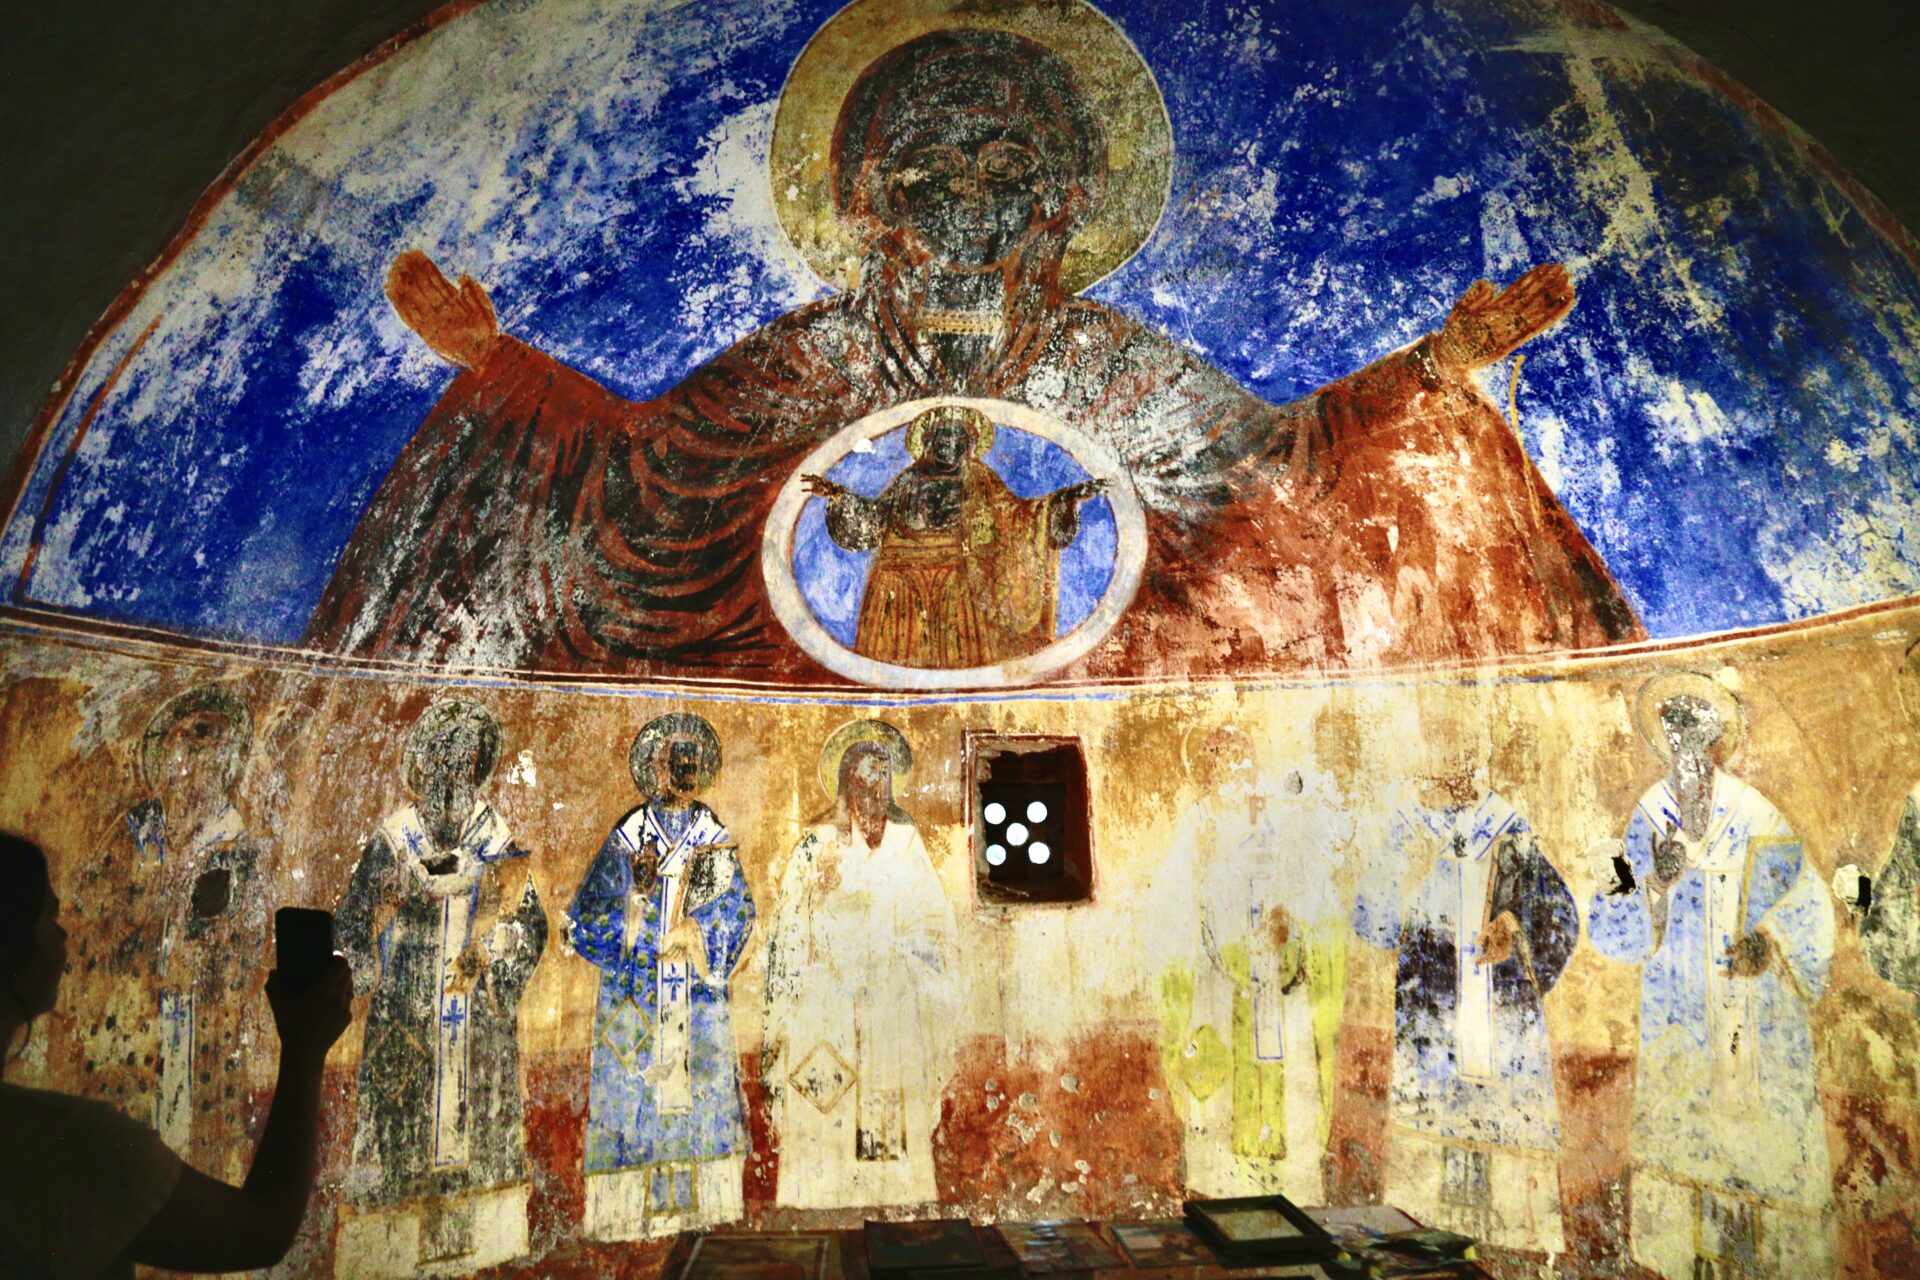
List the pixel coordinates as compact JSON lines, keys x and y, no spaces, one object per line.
{"x":1873,"y":554}
{"x":733,"y":170}
{"x":1688,"y":418}
{"x":1502,"y":246}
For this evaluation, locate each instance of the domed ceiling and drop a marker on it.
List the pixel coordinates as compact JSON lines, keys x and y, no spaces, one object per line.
{"x":626,"y":341}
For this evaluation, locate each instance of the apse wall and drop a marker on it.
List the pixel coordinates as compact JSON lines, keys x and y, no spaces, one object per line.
{"x":1438,"y":715}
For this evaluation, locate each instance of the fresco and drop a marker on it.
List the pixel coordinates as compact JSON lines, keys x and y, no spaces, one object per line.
{"x":1334,"y":440}
{"x":860,"y":989}
{"x":1737,"y":937}
{"x":1276,"y":981}
{"x":443,"y":927}
{"x":186,"y":878}
{"x":1034,"y":554}
{"x":1890,"y":917}
{"x":1253,"y":1013}
{"x":665,"y":914}
{"x":1482,"y":926}
{"x":564,"y":335}
{"x":967,"y":574}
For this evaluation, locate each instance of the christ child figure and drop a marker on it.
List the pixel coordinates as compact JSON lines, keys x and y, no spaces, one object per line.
{"x":966,"y":573}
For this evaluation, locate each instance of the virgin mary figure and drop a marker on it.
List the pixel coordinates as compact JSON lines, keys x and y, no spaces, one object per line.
{"x":537,"y":520}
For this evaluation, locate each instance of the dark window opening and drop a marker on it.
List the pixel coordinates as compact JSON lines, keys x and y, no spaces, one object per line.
{"x":1029,"y":818}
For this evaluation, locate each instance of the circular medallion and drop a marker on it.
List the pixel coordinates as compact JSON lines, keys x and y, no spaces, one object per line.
{"x":954,"y":566}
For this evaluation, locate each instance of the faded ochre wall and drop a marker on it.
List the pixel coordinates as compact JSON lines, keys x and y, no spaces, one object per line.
{"x":1070,"y":991}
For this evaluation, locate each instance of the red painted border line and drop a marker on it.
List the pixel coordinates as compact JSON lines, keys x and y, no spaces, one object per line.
{"x":129,"y":638}
{"x":129,"y":297}
{"x":73,"y":449}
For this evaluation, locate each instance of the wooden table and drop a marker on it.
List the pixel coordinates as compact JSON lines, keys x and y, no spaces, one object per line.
{"x":853,"y":1260}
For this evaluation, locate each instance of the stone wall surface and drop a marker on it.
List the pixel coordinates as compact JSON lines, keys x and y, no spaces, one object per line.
{"x":1072,"y":1078}
{"x":615,"y":501}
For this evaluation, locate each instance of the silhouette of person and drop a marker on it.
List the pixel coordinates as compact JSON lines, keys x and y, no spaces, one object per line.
{"x":86,"y":1191}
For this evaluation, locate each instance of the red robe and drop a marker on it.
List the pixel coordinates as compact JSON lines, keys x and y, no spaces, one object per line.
{"x":538,"y":522}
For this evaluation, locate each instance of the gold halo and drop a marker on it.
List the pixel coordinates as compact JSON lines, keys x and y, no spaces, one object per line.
{"x":219,"y":700}
{"x":847,"y":736}
{"x":1646,"y":710}
{"x":439,"y":718}
{"x":1194,"y":741}
{"x":1118,"y":84}
{"x":661,"y":730}
{"x":981,"y":424}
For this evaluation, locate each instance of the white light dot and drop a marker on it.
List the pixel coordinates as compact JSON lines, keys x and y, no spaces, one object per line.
{"x":1038,"y":853}
{"x":1017,"y":834}
{"x":996,"y":812}
{"x":1036,"y":812}
{"x":996,"y":854}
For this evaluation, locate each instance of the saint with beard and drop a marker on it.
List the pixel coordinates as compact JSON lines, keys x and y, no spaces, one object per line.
{"x":861,"y":990}
{"x":1713,"y":895}
{"x":443,"y":925}
{"x":665,"y":914}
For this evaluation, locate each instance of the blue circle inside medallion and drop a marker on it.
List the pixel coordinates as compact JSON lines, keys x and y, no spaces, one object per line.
{"x":833,"y":579}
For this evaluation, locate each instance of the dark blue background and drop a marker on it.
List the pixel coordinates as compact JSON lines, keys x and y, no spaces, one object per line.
{"x":1728,"y":412}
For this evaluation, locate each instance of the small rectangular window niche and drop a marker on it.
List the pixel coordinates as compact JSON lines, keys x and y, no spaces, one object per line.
{"x":1028,"y":814}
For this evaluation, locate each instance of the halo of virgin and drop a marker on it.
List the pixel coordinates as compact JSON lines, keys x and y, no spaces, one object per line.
{"x":1111,"y":72}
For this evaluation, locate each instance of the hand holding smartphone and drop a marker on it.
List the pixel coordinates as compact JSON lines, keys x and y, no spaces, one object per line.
{"x":302,"y":943}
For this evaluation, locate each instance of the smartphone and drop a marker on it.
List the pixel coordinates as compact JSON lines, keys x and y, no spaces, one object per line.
{"x":302,"y":942}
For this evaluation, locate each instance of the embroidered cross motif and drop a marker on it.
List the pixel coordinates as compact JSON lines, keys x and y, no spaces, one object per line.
{"x":452,"y":1018}
{"x":175,"y":1011}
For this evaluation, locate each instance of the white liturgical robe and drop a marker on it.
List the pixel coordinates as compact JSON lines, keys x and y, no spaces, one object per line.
{"x":860,"y":994}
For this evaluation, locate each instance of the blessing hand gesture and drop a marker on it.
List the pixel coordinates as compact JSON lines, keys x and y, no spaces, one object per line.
{"x":1669,"y":858}
{"x":1489,"y":324}
{"x":456,"y":320}
{"x":1084,"y":491}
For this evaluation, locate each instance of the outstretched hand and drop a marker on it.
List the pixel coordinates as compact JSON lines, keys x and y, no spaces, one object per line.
{"x":1489,"y":324}
{"x":456,"y":320}
{"x":821,"y":487}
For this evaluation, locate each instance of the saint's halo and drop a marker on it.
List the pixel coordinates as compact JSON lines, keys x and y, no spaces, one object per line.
{"x":1109,"y":70}
{"x":849,"y":736}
